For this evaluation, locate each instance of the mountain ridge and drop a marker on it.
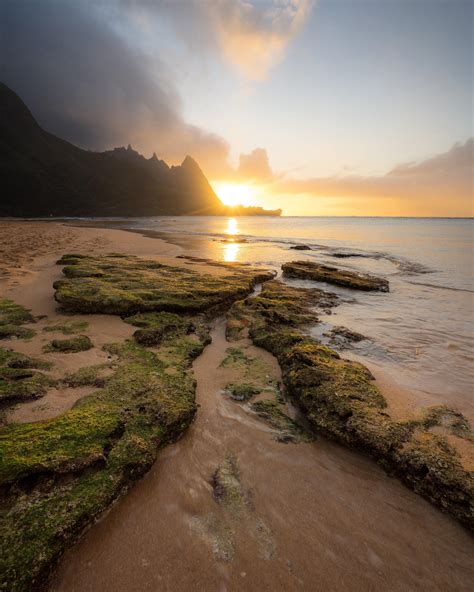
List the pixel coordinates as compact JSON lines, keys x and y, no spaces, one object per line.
{"x":42,"y":175}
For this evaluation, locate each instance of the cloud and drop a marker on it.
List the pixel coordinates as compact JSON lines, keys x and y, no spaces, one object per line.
{"x":442,"y":185}
{"x":86,"y":83}
{"x":95,"y":73}
{"x":253,"y":37}
{"x":255,"y":166}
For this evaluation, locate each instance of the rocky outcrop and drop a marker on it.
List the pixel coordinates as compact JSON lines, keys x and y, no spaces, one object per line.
{"x":341,"y":400}
{"x":43,"y":175}
{"x":126,"y":285}
{"x":332,"y":275}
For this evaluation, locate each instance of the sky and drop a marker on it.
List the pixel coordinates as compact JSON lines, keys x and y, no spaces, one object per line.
{"x":325,"y":107}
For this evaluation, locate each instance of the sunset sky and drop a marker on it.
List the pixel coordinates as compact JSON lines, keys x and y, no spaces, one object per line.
{"x":359,"y":107}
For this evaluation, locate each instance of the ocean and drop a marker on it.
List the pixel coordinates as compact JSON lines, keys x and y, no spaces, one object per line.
{"x":420,"y":334}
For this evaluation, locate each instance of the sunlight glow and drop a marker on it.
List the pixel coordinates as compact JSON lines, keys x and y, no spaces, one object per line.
{"x":232,"y":227}
{"x":235,"y":194}
{"x":231,"y":251}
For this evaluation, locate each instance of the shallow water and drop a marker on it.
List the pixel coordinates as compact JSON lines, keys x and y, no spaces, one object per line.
{"x":421,"y":333}
{"x":318,"y":517}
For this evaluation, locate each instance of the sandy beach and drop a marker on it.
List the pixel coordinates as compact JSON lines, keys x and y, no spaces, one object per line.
{"x":316,"y":516}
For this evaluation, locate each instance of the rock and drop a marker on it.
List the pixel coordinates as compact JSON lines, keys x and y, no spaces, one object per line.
{"x":340,"y":399}
{"x":332,"y":275}
{"x":342,"y":255}
{"x":126,"y":285}
{"x":75,"y":344}
{"x":343,"y":334}
{"x":226,"y":487}
{"x":287,"y":430}
{"x":242,"y":392}
{"x":300,"y":248}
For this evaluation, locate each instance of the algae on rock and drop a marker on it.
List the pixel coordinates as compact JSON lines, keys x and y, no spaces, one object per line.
{"x":126,"y":285}
{"x":287,"y":429}
{"x":327,"y":273}
{"x":67,"y":327}
{"x":95,"y":375}
{"x":58,"y":475}
{"x":20,"y":379}
{"x":226,"y":486}
{"x":12,"y":318}
{"x":340,"y":399}
{"x":74,"y":344}
{"x":101,"y":445}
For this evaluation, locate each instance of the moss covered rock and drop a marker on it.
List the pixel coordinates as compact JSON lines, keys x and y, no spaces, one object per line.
{"x":226,"y":486}
{"x":287,"y":430}
{"x":125,"y":286}
{"x":19,"y":378}
{"x":67,"y":328}
{"x":340,"y":399}
{"x":68,"y":346}
{"x":95,"y":375}
{"x":332,"y":275}
{"x":12,"y":318}
{"x":242,"y":392}
{"x":59,"y":475}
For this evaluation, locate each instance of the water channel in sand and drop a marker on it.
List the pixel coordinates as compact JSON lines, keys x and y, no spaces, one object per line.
{"x":319,"y":517}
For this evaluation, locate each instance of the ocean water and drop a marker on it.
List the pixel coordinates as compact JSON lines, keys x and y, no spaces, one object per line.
{"x":420,"y":334}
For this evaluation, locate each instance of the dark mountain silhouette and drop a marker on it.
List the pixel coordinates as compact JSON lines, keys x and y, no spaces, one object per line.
{"x":42,"y":175}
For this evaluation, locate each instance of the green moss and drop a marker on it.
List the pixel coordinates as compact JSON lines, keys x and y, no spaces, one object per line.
{"x":72,"y":345}
{"x":287,"y":429}
{"x":12,"y":317}
{"x":235,"y":357}
{"x":60,"y":474}
{"x":129,"y":285}
{"x":160,"y":320}
{"x":242,"y":392}
{"x":88,"y":376}
{"x":19,"y":379}
{"x":443,"y":416}
{"x":158,"y":325}
{"x":332,"y":275}
{"x":68,"y":328}
{"x":12,"y":359}
{"x":234,"y":329}
{"x":340,"y":399}
{"x":226,"y":486}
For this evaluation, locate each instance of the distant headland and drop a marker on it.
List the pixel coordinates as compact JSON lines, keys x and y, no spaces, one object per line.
{"x":43,"y":175}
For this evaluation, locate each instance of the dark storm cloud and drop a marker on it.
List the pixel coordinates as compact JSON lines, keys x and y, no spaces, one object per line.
{"x":84,"y":82}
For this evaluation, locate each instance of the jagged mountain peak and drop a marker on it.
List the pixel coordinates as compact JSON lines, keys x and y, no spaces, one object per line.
{"x":43,"y":175}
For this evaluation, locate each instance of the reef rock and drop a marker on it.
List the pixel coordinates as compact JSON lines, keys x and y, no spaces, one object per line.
{"x":332,"y":275}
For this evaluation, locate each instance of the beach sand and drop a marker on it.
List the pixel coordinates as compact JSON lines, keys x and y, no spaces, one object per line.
{"x":319,"y":517}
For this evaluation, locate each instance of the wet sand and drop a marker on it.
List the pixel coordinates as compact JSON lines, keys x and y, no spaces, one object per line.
{"x":318,"y":517}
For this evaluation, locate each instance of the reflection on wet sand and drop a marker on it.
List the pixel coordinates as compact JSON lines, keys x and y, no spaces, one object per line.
{"x":231,"y":251}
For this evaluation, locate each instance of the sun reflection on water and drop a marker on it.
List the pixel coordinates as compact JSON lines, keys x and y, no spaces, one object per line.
{"x":231,"y":251}
{"x":231,"y":248}
{"x":232,"y":227}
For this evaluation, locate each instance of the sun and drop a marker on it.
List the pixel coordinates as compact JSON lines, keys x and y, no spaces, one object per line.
{"x":234,"y":194}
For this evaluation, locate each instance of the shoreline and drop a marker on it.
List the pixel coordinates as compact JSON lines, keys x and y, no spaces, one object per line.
{"x":96,"y":237}
{"x":30,"y":284}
